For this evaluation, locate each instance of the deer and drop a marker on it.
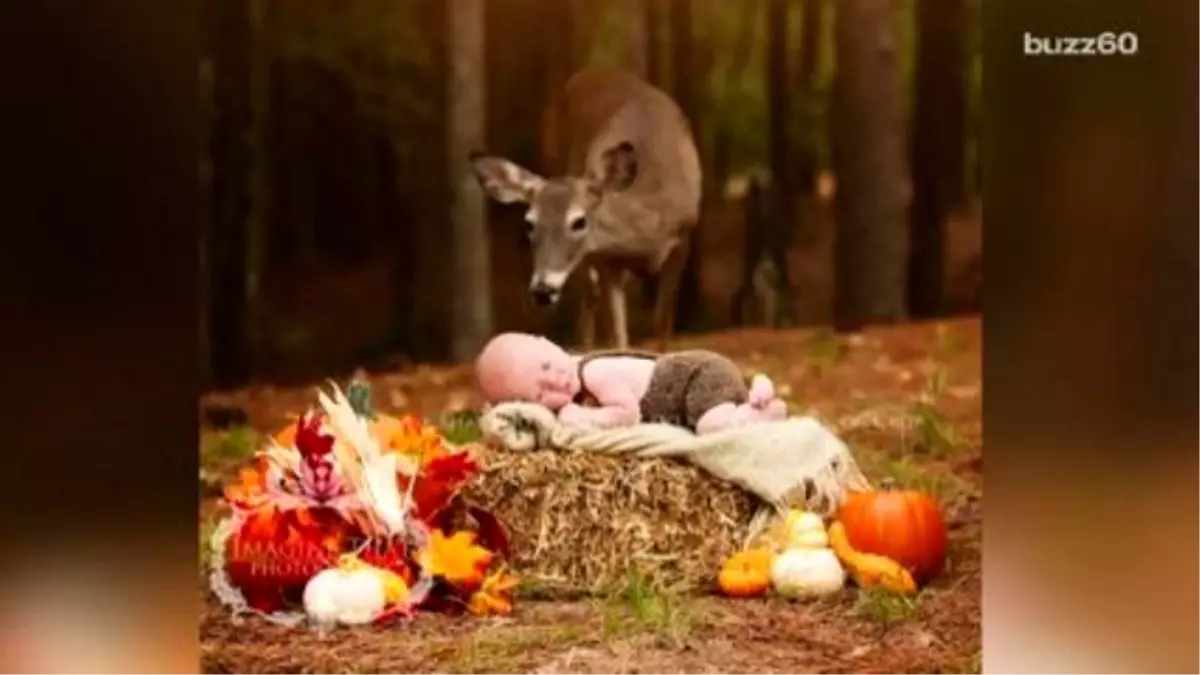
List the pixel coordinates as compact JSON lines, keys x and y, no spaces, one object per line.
{"x":619,"y":196}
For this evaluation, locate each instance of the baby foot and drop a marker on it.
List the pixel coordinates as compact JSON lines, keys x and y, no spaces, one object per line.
{"x":762,"y":391}
{"x":776,"y":409}
{"x":730,"y":416}
{"x":721,"y":417}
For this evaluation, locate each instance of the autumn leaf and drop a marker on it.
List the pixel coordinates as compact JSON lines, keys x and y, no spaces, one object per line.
{"x":457,"y":558}
{"x":303,"y":517}
{"x":269,"y":557}
{"x":412,"y":437}
{"x":438,"y":482}
{"x":494,"y":596}
{"x":250,"y":490}
{"x":424,"y":440}
{"x":390,"y":555}
{"x":264,"y":524}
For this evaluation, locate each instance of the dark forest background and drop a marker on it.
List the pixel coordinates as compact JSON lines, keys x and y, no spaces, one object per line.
{"x":839,"y":142}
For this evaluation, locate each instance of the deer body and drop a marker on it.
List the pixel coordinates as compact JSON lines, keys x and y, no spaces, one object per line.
{"x":621,"y":195}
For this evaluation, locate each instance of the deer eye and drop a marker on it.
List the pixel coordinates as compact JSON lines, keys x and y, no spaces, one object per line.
{"x":578,"y":224}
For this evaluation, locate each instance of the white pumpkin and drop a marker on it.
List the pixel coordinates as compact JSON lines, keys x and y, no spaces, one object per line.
{"x":807,"y":572}
{"x":339,"y":595}
{"x":804,"y":529}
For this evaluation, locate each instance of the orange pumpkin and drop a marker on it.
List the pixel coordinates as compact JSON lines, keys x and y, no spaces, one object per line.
{"x":746,"y":574}
{"x":904,"y":525}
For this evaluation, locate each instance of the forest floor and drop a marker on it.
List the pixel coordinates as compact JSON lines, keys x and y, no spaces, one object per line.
{"x":907,"y":399}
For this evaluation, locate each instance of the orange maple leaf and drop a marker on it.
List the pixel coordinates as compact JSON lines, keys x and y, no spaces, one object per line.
{"x":411,"y":436}
{"x":456,"y":558}
{"x":494,"y":596}
{"x":250,"y":491}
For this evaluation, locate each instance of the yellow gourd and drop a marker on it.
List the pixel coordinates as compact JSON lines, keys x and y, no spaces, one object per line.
{"x":868,"y":569}
{"x":804,"y":529}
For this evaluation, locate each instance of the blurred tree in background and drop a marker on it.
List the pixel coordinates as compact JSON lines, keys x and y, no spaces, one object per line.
{"x":469,"y":245}
{"x":868,"y":159}
{"x":339,"y":228}
{"x":937,"y":144}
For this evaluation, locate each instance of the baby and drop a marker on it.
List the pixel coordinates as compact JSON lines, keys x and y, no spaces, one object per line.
{"x":697,"y":389}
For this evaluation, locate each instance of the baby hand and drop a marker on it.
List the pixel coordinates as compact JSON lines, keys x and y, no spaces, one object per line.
{"x":575,"y":415}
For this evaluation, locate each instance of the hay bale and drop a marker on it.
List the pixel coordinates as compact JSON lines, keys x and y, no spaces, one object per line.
{"x":584,"y":523}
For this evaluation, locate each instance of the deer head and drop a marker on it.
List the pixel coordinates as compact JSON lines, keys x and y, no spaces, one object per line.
{"x":562,"y":210}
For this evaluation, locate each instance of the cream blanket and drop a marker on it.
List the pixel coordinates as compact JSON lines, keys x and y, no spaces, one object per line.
{"x":787,"y":463}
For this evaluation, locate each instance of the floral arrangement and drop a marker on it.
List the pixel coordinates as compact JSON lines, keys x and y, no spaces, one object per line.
{"x":351,"y":517}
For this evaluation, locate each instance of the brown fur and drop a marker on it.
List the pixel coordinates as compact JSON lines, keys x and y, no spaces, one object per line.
{"x":620,"y":152}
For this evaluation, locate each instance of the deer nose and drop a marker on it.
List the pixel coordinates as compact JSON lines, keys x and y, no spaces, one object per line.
{"x":543,"y":294}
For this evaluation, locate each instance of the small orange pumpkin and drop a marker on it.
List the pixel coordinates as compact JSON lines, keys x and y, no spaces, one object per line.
{"x":746,"y":574}
{"x":904,"y":525}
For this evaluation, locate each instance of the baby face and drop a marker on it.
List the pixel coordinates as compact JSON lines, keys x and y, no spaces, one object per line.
{"x":518,"y":367}
{"x":555,"y":381}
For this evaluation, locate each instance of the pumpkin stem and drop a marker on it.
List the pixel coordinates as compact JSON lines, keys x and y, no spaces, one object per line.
{"x":888,"y":483}
{"x":358,"y":393}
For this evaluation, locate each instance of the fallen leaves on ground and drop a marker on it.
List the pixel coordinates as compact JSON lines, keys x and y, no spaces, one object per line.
{"x":495,"y":595}
{"x":456,"y":558}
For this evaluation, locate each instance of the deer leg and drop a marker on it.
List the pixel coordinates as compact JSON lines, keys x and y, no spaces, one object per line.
{"x":589,"y":303}
{"x":670,"y":276}
{"x":613,"y":283}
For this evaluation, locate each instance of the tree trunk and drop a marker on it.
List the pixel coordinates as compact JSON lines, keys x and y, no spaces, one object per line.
{"x":258,"y":214}
{"x":633,"y":19}
{"x":470,"y":249}
{"x":683,"y":87}
{"x":743,"y":45}
{"x":868,"y":153}
{"x":733,"y":72}
{"x":703,"y":63}
{"x":654,"y":41}
{"x":938,"y":145}
{"x":421,"y":275}
{"x":227,"y":235}
{"x":561,"y":42}
{"x":682,"y":41}
{"x":805,"y":166}
{"x":206,"y":166}
{"x":779,"y":103}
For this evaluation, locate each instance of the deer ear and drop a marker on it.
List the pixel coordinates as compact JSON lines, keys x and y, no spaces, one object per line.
{"x":618,"y":167}
{"x":504,"y":181}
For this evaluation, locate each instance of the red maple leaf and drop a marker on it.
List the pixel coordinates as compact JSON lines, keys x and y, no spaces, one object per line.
{"x":388,"y":554}
{"x":317,"y":478}
{"x":438,"y":482}
{"x":310,"y":442}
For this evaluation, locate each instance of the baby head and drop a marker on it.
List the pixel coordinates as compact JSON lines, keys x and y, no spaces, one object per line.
{"x":524,"y":367}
